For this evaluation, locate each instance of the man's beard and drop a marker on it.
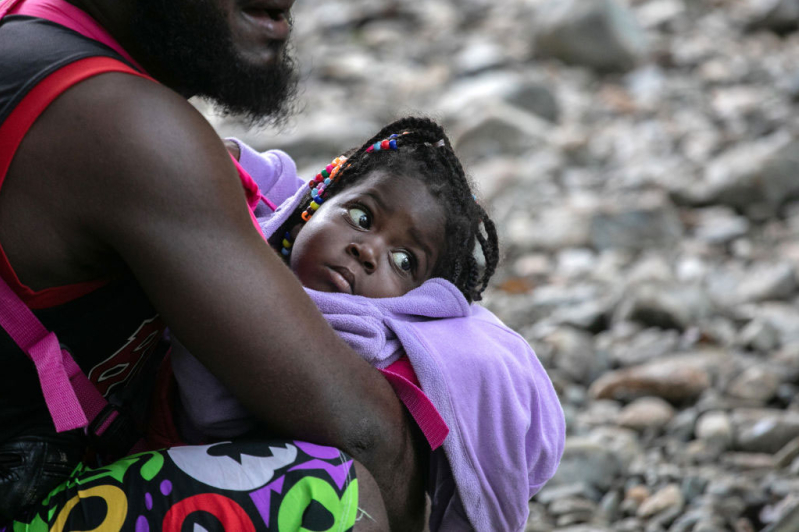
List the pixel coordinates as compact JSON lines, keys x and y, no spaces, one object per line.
{"x":187,"y":45}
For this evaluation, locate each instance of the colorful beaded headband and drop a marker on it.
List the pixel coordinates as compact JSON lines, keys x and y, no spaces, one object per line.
{"x":324,"y":179}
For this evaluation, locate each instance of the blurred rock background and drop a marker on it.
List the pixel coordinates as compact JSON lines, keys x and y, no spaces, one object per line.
{"x":641,"y":160}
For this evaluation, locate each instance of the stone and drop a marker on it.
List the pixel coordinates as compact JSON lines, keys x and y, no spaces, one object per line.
{"x":787,"y":454}
{"x":646,"y":345}
{"x":550,"y":228}
{"x":719,"y":225}
{"x":646,"y":413}
{"x":787,"y":522}
{"x":768,"y":282}
{"x":478,"y":56}
{"x":637,"y":222}
{"x":499,"y":131}
{"x":664,"y":305}
{"x":764,"y":430}
{"x":574,"y":354}
{"x":779,"y":16}
{"x":760,"y":172}
{"x":748,"y":461}
{"x":526,"y":93}
{"x":715,"y":428}
{"x":675,"y":379}
{"x":756,"y":383}
{"x":666,"y":498}
{"x":573,"y":505}
{"x":759,"y":335}
{"x":588,"y":462}
{"x":602,"y":35}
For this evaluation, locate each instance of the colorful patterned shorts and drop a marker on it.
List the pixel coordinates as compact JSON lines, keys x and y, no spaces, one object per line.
{"x":235,"y":486}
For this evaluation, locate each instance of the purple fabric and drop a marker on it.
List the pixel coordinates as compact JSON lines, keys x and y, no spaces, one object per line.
{"x":273,"y":171}
{"x":506,"y":425}
{"x":507,"y":429}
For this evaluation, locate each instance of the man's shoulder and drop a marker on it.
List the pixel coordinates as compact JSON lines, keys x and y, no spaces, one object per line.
{"x":131,"y":127}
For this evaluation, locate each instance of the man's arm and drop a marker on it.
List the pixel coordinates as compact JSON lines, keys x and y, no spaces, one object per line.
{"x":148,"y":180}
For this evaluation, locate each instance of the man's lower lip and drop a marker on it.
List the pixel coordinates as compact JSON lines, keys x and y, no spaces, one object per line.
{"x":277,"y":30}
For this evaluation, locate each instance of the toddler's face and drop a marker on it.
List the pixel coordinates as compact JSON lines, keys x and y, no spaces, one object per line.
{"x":379,"y":238}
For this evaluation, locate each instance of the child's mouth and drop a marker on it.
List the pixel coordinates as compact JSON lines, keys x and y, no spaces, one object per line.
{"x":342,"y":279}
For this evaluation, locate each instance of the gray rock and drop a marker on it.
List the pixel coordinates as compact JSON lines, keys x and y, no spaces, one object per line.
{"x":523,"y":92}
{"x":719,"y":225}
{"x":715,"y":428}
{"x":550,"y":228}
{"x":768,"y":281}
{"x":586,"y":461}
{"x":603,"y":35}
{"x":644,"y":346}
{"x":757,"y":383}
{"x":764,"y":430}
{"x":760,"y":336}
{"x":666,"y":498}
{"x":643,"y":221}
{"x":646,"y":413}
{"x":584,"y":508}
{"x":667,"y":306}
{"x":787,"y":522}
{"x":478,"y":56}
{"x":678,"y":378}
{"x":751,"y":174}
{"x":499,"y":130}
{"x":574,"y":354}
{"x":787,"y":454}
{"x":780,"y":16}
{"x":793,"y":87}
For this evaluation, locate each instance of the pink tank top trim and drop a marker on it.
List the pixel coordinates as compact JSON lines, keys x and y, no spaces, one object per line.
{"x":69,"y":16}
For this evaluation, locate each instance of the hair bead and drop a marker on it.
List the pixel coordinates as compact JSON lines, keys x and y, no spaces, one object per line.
{"x":392,"y":144}
{"x":306,"y":216}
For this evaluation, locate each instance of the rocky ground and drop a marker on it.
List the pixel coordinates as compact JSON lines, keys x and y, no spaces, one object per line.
{"x":641,"y":160}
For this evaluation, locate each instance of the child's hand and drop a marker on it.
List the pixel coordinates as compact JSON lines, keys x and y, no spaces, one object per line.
{"x":233,"y":148}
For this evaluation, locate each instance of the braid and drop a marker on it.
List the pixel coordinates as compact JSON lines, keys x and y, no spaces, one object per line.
{"x":424,"y":151}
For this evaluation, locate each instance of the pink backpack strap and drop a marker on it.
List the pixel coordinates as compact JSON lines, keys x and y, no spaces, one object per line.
{"x":6,"y":6}
{"x":71,"y":398}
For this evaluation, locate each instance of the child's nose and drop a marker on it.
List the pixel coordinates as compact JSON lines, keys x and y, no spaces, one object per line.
{"x":365,"y":254}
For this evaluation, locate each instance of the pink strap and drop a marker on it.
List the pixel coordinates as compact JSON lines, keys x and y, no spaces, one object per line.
{"x":55,"y":367}
{"x":69,"y":16}
{"x":6,"y":6}
{"x":401,"y":377}
{"x":251,"y":189}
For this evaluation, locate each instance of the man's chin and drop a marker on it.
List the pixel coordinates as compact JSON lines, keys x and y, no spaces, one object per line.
{"x":260,"y":95}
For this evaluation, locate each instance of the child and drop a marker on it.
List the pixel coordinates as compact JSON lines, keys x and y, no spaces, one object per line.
{"x":393,"y":248}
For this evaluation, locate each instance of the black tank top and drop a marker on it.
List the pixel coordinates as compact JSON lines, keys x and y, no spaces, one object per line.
{"x":112,"y":329}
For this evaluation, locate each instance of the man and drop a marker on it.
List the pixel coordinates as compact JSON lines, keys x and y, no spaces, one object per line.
{"x":120,"y":184}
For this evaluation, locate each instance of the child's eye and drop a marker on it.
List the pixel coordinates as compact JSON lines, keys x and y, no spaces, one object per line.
{"x":360,"y":217}
{"x":402,"y":260}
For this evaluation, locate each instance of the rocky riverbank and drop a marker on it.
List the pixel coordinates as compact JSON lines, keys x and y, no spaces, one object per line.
{"x":641,"y":160}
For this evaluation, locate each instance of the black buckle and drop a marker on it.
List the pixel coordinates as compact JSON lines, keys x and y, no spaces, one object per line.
{"x":118,"y":438}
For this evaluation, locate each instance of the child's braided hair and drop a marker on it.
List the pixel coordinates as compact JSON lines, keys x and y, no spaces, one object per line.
{"x":425,"y":153}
